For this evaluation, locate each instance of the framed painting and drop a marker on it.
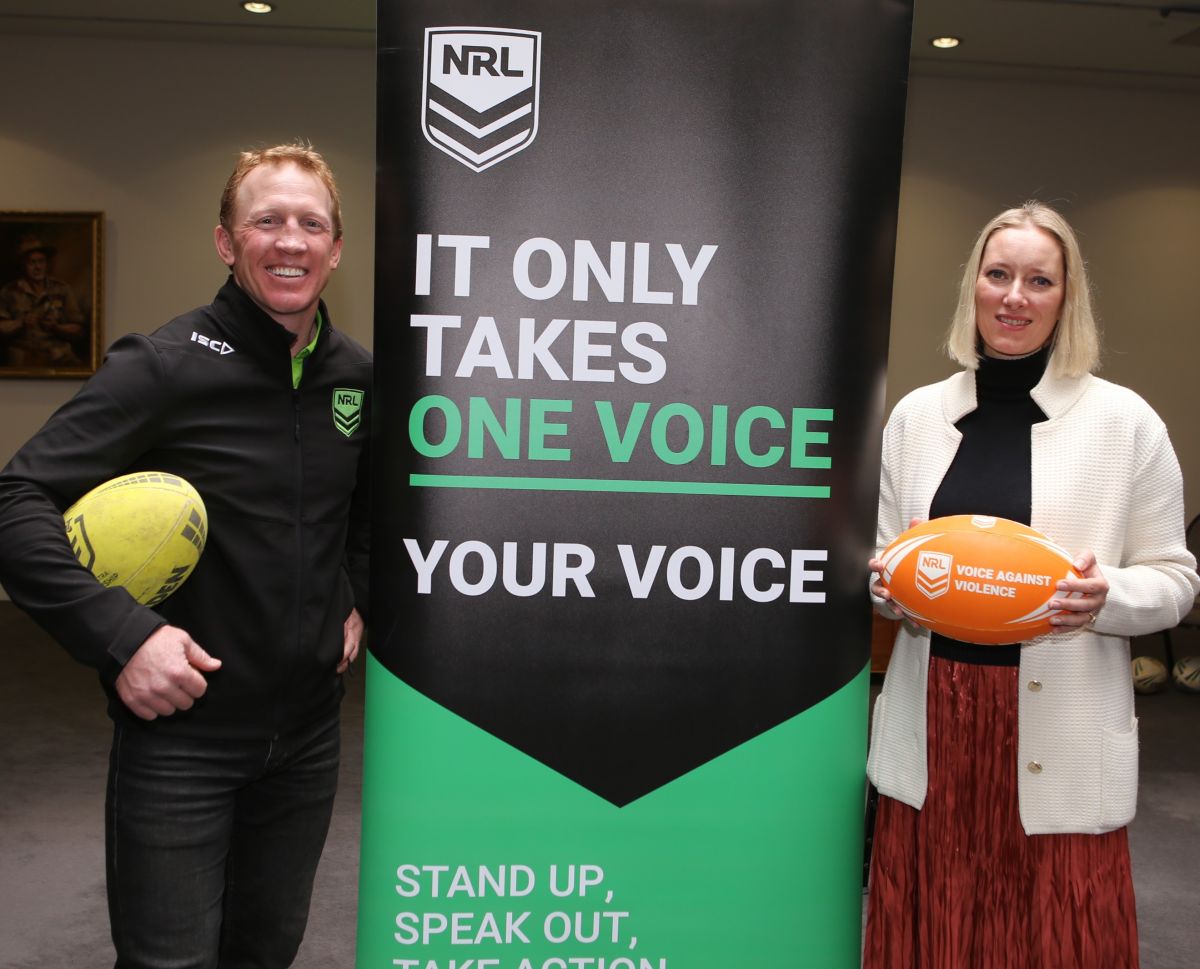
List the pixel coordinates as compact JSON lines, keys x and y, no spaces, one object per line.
{"x":51,"y":306}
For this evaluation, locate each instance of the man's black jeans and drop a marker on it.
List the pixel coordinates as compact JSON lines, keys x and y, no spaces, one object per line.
{"x":213,"y":844}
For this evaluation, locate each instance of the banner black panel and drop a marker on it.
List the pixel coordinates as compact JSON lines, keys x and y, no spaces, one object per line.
{"x":651,"y":132}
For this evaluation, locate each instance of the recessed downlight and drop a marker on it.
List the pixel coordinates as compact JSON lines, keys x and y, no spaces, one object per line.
{"x":250,"y":7}
{"x":945,"y":43}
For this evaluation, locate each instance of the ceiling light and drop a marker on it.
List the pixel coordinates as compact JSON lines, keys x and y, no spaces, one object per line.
{"x":250,"y":7}
{"x":944,"y":43}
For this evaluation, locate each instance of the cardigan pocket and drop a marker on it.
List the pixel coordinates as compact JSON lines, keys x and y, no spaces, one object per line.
{"x":1119,"y":770}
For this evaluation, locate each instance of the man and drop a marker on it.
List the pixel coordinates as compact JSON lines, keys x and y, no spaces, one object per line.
{"x":225,"y":697}
{"x":39,"y":315}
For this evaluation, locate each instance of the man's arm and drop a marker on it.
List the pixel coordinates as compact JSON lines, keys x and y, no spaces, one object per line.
{"x":95,"y":436}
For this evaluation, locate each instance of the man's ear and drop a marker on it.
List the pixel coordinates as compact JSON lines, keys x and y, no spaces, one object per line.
{"x":335,"y":255}
{"x":224,"y":244}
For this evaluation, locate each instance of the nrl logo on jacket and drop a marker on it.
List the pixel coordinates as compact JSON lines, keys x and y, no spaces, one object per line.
{"x":481,"y":92}
{"x":347,"y":409}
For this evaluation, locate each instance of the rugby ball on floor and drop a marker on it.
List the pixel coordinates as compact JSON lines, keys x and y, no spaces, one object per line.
{"x":975,"y":578}
{"x":1149,"y":674}
{"x":1187,"y":674}
{"x":143,"y":531}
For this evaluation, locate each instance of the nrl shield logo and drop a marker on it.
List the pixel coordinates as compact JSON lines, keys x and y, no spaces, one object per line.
{"x":933,"y":573}
{"x":480,"y":103}
{"x":347,"y":409}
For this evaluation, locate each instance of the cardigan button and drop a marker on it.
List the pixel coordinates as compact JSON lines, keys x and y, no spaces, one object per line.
{"x":1035,"y":767}
{"x":1035,"y":686}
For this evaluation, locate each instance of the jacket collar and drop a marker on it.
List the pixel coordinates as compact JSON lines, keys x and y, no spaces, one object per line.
{"x":254,"y":328}
{"x":1053,"y":394}
{"x":1057,"y":395}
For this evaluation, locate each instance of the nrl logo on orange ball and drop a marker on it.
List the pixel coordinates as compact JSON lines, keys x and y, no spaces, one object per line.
{"x":933,"y":573}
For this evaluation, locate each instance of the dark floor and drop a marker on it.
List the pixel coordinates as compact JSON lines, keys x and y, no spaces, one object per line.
{"x":54,"y":739}
{"x":53,"y":748}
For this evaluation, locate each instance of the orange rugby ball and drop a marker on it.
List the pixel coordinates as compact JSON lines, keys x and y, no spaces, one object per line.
{"x":975,"y":578}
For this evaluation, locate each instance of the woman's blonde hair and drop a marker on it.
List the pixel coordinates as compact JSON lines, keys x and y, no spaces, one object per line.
{"x":1075,"y":343}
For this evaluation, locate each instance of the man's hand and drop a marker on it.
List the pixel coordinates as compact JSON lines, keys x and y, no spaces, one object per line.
{"x":165,"y":674}
{"x":352,"y":632}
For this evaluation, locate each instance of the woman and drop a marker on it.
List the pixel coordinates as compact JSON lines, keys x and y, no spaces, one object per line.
{"x":1007,"y":774}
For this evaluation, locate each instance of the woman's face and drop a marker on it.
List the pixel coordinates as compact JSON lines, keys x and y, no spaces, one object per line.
{"x":1019,"y":291}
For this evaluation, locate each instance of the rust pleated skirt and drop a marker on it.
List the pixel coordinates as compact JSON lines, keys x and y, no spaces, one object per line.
{"x":959,"y":885}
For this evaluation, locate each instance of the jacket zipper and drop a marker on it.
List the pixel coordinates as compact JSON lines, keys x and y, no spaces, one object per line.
{"x":299,"y":524}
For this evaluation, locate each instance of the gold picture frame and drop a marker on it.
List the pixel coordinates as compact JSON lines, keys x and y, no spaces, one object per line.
{"x":51,"y":289}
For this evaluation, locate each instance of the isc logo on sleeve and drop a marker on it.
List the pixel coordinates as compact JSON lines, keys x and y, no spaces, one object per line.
{"x":216,"y":346}
{"x":481,"y":90}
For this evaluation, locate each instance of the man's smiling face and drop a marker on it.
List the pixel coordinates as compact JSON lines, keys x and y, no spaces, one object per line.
{"x":280,"y":242}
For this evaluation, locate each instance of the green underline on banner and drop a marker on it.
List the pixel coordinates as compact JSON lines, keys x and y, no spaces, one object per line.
{"x":626,"y":486}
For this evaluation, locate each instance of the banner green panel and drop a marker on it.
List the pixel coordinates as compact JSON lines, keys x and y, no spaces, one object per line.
{"x":750,"y":860}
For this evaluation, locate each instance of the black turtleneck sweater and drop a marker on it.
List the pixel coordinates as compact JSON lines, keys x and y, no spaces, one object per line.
{"x":992,"y":470}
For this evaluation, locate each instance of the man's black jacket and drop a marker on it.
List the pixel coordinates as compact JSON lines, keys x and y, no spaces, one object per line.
{"x":209,"y":397}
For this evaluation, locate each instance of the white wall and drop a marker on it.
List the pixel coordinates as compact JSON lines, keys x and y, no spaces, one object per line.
{"x":147,"y":132}
{"x":1121,"y":164}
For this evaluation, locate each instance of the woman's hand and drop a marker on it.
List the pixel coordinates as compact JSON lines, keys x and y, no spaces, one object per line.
{"x":1090,"y":593}
{"x":877,"y":588}
{"x":890,"y":608}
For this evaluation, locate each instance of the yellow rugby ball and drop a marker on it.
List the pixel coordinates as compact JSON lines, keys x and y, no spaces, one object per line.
{"x":143,"y":531}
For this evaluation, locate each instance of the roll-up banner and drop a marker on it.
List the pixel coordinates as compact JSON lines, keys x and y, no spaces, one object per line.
{"x":633,"y":279}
